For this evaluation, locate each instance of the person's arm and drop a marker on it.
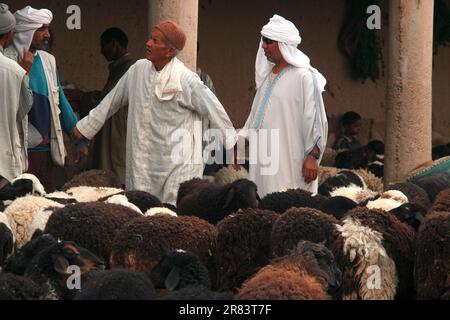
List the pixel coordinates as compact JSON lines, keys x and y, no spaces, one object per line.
{"x":207,"y":105}
{"x":25,"y":99}
{"x":313,"y":127}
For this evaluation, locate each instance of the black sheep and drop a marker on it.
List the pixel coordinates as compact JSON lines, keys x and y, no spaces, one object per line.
{"x":212,"y":203}
{"x":6,"y":242}
{"x":338,"y":206}
{"x":116,"y":284}
{"x":294,"y":198}
{"x":18,"y":262}
{"x":342,"y":179}
{"x":410,"y":213}
{"x":141,"y":199}
{"x":50,"y":268}
{"x":14,"y":287}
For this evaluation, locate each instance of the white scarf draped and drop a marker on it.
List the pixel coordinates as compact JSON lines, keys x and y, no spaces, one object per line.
{"x":168,"y":83}
{"x":28,"y":20}
{"x":288,"y":37}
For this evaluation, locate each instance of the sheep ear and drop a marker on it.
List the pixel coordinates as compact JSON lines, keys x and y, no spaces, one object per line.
{"x":173,"y":279}
{"x":230,"y":197}
{"x":60,"y":264}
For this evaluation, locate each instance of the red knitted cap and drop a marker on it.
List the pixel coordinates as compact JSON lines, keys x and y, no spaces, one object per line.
{"x":173,"y":33}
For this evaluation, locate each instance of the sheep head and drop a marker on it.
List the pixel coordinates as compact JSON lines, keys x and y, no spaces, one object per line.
{"x":242,"y":194}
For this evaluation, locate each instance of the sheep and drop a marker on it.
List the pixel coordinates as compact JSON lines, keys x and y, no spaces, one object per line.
{"x":373,"y":183}
{"x":243,"y":246}
{"x":19,"y":261}
{"x":213,"y":203}
{"x":116,"y":284}
{"x":337,"y":206}
{"x":359,"y":251}
{"x":410,"y":213}
{"x":432,"y":260}
{"x":50,"y":268}
{"x":92,"y":178}
{"x":282,"y":201}
{"x":160,"y":211}
{"x":399,"y":241}
{"x":377,"y":168}
{"x":20,"y":215}
{"x":37,"y":187}
{"x":442,"y":201}
{"x":140,"y":244}
{"x":40,"y":220}
{"x":355,"y":159}
{"x":91,"y":194}
{"x":141,"y":199}
{"x":342,"y":179}
{"x":228,"y":175}
{"x":122,"y":200}
{"x":14,"y":287}
{"x":357,"y":194}
{"x":307,"y":273}
{"x":413,"y":192}
{"x":388,"y":200}
{"x":6,"y":239}
{"x":185,"y":276}
{"x":91,"y":225}
{"x":301,"y":224}
{"x":24,"y":185}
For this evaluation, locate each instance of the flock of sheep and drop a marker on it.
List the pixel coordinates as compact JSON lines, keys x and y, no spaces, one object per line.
{"x":354,"y":240}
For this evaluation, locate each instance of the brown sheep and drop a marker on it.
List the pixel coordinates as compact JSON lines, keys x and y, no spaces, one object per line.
{"x":432,"y":261}
{"x":442,"y":201}
{"x":302,"y":224}
{"x":92,"y":178}
{"x":140,"y":244}
{"x":92,"y":225}
{"x":243,"y":246}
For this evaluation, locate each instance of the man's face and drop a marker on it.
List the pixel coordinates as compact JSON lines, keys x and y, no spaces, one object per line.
{"x":157,"y":49}
{"x":41,"y":38}
{"x":109,"y":50}
{"x":271,"y":50}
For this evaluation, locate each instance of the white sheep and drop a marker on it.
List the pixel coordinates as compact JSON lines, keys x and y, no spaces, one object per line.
{"x":122,"y":200}
{"x":160,"y":211}
{"x":388,"y":200}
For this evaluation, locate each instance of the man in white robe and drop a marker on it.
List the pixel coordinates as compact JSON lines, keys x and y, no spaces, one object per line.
{"x":166,"y":103}
{"x":289,"y":108}
{"x":15,"y":102}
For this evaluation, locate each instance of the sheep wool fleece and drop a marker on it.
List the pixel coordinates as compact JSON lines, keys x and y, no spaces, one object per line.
{"x":153,"y":130}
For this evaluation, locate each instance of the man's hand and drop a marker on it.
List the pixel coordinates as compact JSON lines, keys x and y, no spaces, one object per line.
{"x":310,"y":169}
{"x":27,"y":61}
{"x":76,"y":135}
{"x":82,"y":155}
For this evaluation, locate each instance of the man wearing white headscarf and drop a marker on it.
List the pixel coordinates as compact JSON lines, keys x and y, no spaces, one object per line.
{"x":288,"y":106}
{"x":51,"y":112}
{"x":15,"y":102}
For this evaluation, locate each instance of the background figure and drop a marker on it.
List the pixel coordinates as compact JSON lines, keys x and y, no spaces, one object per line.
{"x":51,"y":113}
{"x":109,"y":147}
{"x":15,"y":103}
{"x":351,"y":125}
{"x":166,"y":100}
{"x":289,"y":102}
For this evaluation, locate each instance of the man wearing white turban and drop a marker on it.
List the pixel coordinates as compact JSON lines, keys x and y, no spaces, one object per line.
{"x":15,"y":102}
{"x":288,"y":106}
{"x":51,"y":112}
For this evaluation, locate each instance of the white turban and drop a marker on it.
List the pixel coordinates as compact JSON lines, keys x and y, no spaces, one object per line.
{"x":288,"y":37}
{"x":28,"y":20}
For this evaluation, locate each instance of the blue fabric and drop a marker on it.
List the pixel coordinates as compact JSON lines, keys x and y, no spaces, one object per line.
{"x":40,"y":114}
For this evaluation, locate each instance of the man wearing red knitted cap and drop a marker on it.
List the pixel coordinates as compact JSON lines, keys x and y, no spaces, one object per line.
{"x":165,"y":99}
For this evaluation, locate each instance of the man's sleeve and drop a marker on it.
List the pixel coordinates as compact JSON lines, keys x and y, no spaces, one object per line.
{"x":314,"y":123}
{"x":207,"y":105}
{"x":25,"y":99}
{"x":90,"y":125}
